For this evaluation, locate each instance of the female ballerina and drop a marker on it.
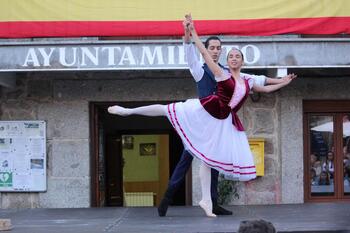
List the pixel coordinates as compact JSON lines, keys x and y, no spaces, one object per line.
{"x":209,"y":127}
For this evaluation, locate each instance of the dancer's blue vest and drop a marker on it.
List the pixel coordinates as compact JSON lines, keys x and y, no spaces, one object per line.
{"x":207,"y":85}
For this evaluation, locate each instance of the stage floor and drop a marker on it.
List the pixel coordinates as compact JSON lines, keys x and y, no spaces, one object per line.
{"x":311,"y":217}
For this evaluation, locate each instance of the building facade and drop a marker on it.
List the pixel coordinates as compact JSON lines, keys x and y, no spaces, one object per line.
{"x":96,"y":159}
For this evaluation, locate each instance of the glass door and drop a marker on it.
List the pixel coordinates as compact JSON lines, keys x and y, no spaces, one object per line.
{"x":321,"y":155}
{"x":346,"y":153}
{"x":326,"y":150}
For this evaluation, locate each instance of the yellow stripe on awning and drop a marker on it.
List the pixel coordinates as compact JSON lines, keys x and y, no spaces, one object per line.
{"x":168,"y":10}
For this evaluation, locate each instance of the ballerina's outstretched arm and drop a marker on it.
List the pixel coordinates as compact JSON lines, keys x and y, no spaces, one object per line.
{"x":274,"y":87}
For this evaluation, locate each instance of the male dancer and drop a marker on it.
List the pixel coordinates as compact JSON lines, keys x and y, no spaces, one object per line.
{"x":206,"y":85}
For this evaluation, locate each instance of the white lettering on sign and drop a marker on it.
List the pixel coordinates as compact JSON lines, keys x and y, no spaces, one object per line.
{"x":146,"y":53}
{"x":86,"y":53}
{"x":251,"y":59}
{"x":46,"y":56}
{"x":31,"y":58}
{"x":171,"y":55}
{"x":182,"y":55}
{"x":250,"y":52}
{"x":123,"y":56}
{"x":127,"y":56}
{"x":110,"y":54}
{"x":63,"y":58}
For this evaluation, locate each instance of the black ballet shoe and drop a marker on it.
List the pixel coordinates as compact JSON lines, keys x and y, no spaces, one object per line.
{"x":163,"y":207}
{"x":218,"y":210}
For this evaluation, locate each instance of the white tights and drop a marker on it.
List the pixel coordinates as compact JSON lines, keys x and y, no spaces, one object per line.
{"x":205,"y":177}
{"x":150,"y":110}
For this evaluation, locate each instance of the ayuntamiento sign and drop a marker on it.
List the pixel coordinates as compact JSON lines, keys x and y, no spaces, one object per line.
{"x":140,"y":55}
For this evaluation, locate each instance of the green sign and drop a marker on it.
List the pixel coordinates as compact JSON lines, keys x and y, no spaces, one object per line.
{"x":5,"y":179}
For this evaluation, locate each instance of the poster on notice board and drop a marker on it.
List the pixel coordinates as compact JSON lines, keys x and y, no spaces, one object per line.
{"x":22,"y":156}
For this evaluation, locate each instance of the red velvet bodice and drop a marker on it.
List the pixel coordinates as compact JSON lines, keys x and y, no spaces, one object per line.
{"x":217,"y":104}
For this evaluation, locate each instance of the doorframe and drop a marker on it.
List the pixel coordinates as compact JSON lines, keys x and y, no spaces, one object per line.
{"x":324,"y":107}
{"x":94,"y":149}
{"x":94,"y":152}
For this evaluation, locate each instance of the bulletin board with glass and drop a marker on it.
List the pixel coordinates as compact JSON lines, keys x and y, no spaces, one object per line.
{"x":22,"y":156}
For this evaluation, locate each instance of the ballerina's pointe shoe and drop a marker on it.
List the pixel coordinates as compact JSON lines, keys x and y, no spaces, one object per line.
{"x":118,"y":111}
{"x":207,"y":207}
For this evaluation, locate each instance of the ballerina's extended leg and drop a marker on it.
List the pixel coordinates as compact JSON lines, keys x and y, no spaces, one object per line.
{"x":206,"y":203}
{"x":150,"y":110}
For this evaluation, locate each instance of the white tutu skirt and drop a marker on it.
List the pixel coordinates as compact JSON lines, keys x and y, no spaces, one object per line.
{"x":214,"y":141}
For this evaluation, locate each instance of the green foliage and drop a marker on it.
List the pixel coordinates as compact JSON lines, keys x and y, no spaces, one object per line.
{"x":227,"y":190}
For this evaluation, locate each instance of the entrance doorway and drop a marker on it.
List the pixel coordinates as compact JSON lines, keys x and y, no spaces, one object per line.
{"x":132,"y":159}
{"x":327,"y":150}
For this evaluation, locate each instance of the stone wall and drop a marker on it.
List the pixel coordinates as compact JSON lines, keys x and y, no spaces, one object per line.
{"x":62,"y":100}
{"x":68,"y":178}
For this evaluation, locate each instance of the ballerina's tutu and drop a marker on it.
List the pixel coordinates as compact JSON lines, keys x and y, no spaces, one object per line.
{"x":216,"y":142}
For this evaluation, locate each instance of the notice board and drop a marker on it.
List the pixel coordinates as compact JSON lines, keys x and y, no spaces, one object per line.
{"x":22,"y":156}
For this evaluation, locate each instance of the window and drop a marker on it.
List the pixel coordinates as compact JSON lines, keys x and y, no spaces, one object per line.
{"x":321,"y":155}
{"x":346,"y":153}
{"x":326,"y":150}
